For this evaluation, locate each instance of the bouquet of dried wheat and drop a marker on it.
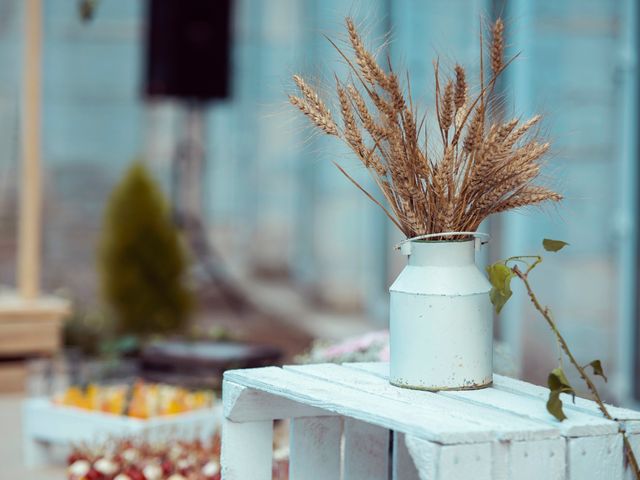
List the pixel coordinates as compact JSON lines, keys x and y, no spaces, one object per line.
{"x":478,"y":167}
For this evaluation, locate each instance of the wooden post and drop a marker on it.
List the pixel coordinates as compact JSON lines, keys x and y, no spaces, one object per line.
{"x":247,"y":450}
{"x":30,"y":323}
{"x":30,"y":194}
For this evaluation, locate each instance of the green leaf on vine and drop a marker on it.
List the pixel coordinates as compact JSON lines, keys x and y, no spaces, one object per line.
{"x":597,"y":369}
{"x":500,"y":277}
{"x":553,"y":245}
{"x":558,"y":383}
{"x":554,"y":405}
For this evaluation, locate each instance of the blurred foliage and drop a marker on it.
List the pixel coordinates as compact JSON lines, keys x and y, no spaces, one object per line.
{"x":142,"y":261}
{"x":214,"y":333}
{"x":92,"y":333}
{"x":87,"y":331}
{"x":120,"y":346}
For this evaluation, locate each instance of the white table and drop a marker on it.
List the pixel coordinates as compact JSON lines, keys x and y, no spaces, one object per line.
{"x":348,"y":422}
{"x":46,"y":425}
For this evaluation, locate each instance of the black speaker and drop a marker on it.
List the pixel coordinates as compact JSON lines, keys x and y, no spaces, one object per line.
{"x":188,"y":48}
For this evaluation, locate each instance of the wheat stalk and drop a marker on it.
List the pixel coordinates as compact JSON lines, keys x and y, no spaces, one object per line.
{"x":497,"y":46}
{"x":483,"y":168}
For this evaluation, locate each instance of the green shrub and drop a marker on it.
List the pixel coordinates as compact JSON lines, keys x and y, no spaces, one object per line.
{"x":142,"y":261}
{"x":86,"y":331}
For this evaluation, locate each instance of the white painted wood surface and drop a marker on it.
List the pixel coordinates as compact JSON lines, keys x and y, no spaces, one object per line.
{"x":315,"y":445}
{"x":403,"y":467}
{"x":442,"y":462}
{"x":46,"y":424}
{"x":247,"y":450}
{"x":366,"y":449}
{"x":500,"y":433}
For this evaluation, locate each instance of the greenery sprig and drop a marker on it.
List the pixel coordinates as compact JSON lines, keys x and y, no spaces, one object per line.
{"x":500,"y":275}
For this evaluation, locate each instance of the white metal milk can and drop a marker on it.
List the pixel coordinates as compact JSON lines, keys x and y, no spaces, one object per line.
{"x":441,"y":321}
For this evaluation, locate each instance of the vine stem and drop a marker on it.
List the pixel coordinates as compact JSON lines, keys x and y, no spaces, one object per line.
{"x":544,"y":311}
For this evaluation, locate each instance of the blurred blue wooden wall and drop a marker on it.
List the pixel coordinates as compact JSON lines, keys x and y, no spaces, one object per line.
{"x":579,"y":69}
{"x":275,"y":203}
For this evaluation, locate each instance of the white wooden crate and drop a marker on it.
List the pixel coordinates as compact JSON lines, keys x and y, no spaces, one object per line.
{"x":348,"y":422}
{"x":46,"y":425}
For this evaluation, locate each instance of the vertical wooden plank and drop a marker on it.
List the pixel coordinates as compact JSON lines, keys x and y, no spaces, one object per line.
{"x":500,"y":460}
{"x":511,"y":236}
{"x":577,"y":129}
{"x":532,"y":460}
{"x":445,"y":462}
{"x":402,"y":467}
{"x":627,"y":202}
{"x":466,"y":461}
{"x":366,"y":451}
{"x":248,"y":66}
{"x":247,"y":450}
{"x":635,"y":445}
{"x":590,"y":457}
{"x":30,"y":208}
{"x":425,"y":456}
{"x":314,"y":444}
{"x":277,"y":160}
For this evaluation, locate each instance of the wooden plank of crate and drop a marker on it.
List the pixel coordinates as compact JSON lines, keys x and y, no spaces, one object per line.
{"x":525,"y":460}
{"x":582,"y":422}
{"x":244,"y":404}
{"x":589,"y":457}
{"x":539,"y":457}
{"x":403,"y":467}
{"x":502,"y":424}
{"x":247,"y":450}
{"x":630,"y":419}
{"x":634,"y":440}
{"x":431,"y":421}
{"x":444,"y":462}
{"x":315,"y":448}
{"x":594,"y":460}
{"x":366,"y":451}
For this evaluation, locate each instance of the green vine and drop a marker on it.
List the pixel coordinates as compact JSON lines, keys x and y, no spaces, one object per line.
{"x":500,"y":275}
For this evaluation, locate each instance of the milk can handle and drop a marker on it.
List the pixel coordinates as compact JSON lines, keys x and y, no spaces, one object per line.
{"x":405,"y":245}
